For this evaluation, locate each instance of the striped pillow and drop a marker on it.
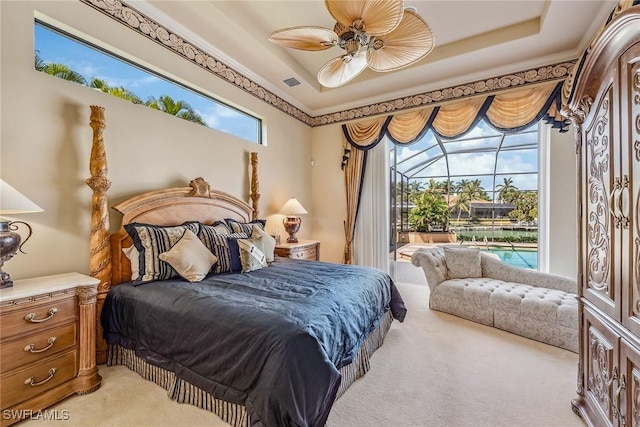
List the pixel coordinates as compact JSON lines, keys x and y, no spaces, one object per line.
{"x":215,"y":238}
{"x":151,"y":241}
{"x":245,"y":227}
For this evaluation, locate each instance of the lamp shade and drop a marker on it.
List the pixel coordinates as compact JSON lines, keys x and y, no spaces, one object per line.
{"x":14,"y":202}
{"x":292,"y":207}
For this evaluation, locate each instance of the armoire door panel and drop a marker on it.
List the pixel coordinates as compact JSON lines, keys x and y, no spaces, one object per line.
{"x":628,"y":389}
{"x":601,"y":243}
{"x":629,"y":199}
{"x":601,"y":357}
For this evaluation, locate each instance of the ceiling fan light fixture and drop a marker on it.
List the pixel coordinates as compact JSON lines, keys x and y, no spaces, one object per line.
{"x":404,"y":46}
{"x":380,"y":16}
{"x":380,"y":34}
{"x":377,"y":44}
{"x":342,"y":69}
{"x":305,"y":38}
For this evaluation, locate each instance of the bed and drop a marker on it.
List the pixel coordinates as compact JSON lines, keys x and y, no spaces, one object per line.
{"x":274,"y":345}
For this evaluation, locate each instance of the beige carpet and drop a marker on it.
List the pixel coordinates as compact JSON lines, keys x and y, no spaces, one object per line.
{"x":433,"y":370}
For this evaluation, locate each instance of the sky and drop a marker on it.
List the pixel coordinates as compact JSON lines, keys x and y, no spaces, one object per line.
{"x":91,"y":63}
{"x":509,"y":163}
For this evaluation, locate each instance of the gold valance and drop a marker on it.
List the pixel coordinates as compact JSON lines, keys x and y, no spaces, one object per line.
{"x":510,"y":112}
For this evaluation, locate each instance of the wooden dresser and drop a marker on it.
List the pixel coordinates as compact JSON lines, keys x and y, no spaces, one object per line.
{"x":304,"y":249}
{"x":47,"y":343}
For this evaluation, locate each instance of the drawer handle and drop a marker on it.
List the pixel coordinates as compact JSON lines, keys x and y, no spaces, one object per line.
{"x":31,"y":317}
{"x":31,"y":348}
{"x":32,"y":381}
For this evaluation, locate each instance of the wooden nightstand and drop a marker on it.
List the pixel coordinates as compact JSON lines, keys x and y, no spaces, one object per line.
{"x":304,"y":249}
{"x":47,"y":343}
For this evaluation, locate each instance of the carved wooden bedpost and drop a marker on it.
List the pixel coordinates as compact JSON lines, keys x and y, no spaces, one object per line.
{"x":255,"y":186}
{"x":100,"y":248}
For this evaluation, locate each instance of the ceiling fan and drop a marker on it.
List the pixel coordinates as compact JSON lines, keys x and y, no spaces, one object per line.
{"x":379,"y":34}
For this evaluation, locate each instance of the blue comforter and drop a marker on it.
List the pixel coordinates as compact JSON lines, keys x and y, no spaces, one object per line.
{"x":272,"y":340}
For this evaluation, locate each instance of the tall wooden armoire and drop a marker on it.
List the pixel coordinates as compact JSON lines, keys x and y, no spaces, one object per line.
{"x":603,"y":101}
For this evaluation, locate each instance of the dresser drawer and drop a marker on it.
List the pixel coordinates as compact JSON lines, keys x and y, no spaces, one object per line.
{"x":45,"y":375}
{"x":304,"y":253}
{"x":45,"y":315}
{"x":35,"y":347}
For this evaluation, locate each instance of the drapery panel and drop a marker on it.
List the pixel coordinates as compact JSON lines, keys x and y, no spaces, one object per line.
{"x":353,"y":177}
{"x":506,"y":112}
{"x":372,"y":228}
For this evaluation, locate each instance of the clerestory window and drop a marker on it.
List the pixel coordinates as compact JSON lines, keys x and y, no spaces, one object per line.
{"x":70,"y":58}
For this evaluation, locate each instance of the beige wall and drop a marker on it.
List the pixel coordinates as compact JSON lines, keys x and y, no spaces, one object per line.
{"x":46,"y":140}
{"x":329,"y":199}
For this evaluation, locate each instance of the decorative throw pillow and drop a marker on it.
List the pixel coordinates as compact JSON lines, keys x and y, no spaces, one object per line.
{"x":215,"y":238}
{"x":235,"y":264}
{"x":462,"y":262}
{"x":209,"y":233}
{"x":133,"y":256}
{"x":268,"y":242}
{"x":151,"y":241}
{"x":245,"y":227}
{"x":190,"y":257}
{"x":251,"y":254}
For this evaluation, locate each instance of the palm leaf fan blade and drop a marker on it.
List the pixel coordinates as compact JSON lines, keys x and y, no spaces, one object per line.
{"x":305,"y":38}
{"x":411,"y":41}
{"x":340,"y":70}
{"x":379,"y":16}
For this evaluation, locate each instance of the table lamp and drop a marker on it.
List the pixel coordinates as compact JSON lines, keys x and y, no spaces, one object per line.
{"x":292,"y":222}
{"x":12,"y":202}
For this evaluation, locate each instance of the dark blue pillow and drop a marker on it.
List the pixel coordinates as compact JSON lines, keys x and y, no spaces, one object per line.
{"x":235,"y":264}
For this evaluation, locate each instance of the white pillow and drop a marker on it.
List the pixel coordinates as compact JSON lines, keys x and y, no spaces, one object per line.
{"x":462,"y":262}
{"x":190,"y":257}
{"x":134,"y":259}
{"x":268,"y":242}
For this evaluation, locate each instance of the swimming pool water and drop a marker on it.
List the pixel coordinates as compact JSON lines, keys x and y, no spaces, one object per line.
{"x":522,"y":259}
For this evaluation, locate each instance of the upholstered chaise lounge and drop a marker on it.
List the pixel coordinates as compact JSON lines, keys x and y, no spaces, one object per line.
{"x":479,"y":287}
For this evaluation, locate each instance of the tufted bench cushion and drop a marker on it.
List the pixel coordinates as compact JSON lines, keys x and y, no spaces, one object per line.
{"x":547,"y":313}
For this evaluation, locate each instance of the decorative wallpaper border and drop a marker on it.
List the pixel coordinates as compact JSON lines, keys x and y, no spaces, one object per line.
{"x":546,"y":73}
{"x":145,"y":26}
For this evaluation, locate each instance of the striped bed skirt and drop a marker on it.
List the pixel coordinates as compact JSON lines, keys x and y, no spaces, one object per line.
{"x":231,"y":413}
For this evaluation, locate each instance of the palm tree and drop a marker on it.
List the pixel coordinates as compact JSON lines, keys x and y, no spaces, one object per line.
{"x":40,"y":64}
{"x":59,"y":70}
{"x":434,"y":187}
{"x":476,"y":191}
{"x":506,"y":190}
{"x":461,"y":185}
{"x":120,"y":92}
{"x":179,"y":108}
{"x":462,"y":203}
{"x":192,"y":116}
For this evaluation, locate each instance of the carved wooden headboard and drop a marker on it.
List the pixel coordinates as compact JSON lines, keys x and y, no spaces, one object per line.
{"x":171,"y":206}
